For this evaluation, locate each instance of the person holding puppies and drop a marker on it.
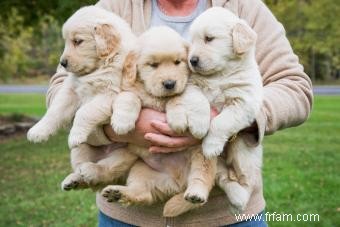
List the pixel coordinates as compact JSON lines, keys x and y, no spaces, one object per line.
{"x":287,"y":102}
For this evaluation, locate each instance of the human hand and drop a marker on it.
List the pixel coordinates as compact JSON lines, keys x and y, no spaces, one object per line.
{"x":166,"y":140}
{"x":143,"y":126}
{"x":152,"y":131}
{"x":169,"y":141}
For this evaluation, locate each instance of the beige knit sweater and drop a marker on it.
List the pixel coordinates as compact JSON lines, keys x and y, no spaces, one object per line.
{"x":287,"y":102}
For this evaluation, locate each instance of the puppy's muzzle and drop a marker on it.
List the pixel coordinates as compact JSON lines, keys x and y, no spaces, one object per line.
{"x":64,"y":63}
{"x":169,"y":84}
{"x":194,"y":61}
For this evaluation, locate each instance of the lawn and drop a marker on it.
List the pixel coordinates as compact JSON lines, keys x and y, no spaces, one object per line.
{"x":301,"y":172}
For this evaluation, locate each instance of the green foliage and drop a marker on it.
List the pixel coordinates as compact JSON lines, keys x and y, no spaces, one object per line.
{"x":30,"y":39}
{"x":313,"y":29}
{"x":14,"y":48}
{"x":26,"y":51}
{"x":32,"y":11}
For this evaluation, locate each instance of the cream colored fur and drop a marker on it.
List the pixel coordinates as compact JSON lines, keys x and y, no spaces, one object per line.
{"x":96,"y":45}
{"x":228,"y":75}
{"x":161,"y":55}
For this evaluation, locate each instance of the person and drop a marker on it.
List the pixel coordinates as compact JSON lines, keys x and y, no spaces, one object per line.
{"x":287,"y":102}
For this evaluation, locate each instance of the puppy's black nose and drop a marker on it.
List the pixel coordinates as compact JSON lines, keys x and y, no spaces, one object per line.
{"x":63,"y":63}
{"x":169,"y":84}
{"x":194,"y":61}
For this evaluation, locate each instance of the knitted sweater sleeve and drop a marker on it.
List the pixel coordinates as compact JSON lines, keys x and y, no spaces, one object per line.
{"x":288,"y":95}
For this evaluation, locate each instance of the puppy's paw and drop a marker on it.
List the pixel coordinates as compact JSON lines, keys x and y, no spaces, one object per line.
{"x":194,"y":199}
{"x":199,"y":126}
{"x":73,"y":181}
{"x":121,"y":126}
{"x":38,"y":134}
{"x":177,"y":120}
{"x":112,"y":193}
{"x":196,"y":195}
{"x":238,"y":197}
{"x":212,"y":147}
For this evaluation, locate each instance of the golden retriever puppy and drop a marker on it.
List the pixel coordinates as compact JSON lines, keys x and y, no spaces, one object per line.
{"x":96,"y":44}
{"x":156,"y":76}
{"x":222,"y":57}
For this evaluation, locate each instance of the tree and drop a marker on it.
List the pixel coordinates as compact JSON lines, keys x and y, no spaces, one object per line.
{"x":313,"y":29}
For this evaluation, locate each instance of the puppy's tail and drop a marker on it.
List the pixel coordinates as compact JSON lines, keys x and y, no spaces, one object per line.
{"x":177,"y":205}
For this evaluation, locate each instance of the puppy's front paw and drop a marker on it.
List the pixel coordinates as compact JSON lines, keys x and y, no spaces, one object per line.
{"x":73,"y":181}
{"x":121,"y":126}
{"x":238,"y":197}
{"x":177,"y":120}
{"x":38,"y":134}
{"x":199,"y":126}
{"x":212,"y":146}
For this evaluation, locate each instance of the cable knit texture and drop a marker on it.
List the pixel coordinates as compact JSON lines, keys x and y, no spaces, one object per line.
{"x":287,"y":103}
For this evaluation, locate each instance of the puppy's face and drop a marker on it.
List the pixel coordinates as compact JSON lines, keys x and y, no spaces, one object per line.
{"x":80,"y":54}
{"x":87,"y":44}
{"x":161,"y":63}
{"x":219,"y":40}
{"x":163,"y":74}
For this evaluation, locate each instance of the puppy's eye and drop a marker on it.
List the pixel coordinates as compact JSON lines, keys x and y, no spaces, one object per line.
{"x":177,"y":62}
{"x":208,"y":39}
{"x":154,"y":64}
{"x":77,"y":42}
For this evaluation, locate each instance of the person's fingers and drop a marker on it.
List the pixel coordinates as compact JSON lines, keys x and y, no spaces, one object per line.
{"x":167,"y":141}
{"x":157,"y":149}
{"x":163,"y":128}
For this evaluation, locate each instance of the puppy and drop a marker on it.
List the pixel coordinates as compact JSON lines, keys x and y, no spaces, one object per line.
{"x":96,"y":44}
{"x":222,"y":57}
{"x":156,"y":77}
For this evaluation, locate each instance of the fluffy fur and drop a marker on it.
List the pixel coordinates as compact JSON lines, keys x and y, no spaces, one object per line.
{"x":96,"y":45}
{"x":159,"y":61}
{"x":222,"y":57}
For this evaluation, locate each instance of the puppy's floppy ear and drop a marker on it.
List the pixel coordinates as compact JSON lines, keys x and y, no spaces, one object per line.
{"x":186,"y":46}
{"x":243,"y":38}
{"x":130,"y":68}
{"x":107,"y":40}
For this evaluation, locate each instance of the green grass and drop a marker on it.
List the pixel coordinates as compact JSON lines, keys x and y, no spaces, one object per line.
{"x":30,"y":104}
{"x":301,"y":166}
{"x":301,"y":172}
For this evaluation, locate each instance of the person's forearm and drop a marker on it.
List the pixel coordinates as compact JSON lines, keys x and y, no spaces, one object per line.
{"x":287,"y":103}
{"x":287,"y":89}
